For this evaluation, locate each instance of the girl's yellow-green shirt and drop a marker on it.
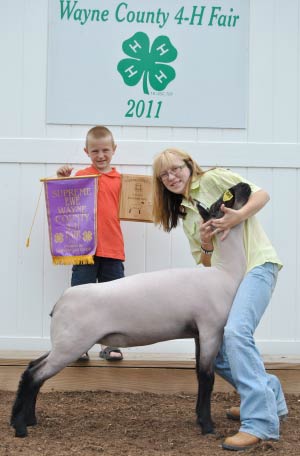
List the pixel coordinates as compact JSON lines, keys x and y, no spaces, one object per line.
{"x":207,"y":189}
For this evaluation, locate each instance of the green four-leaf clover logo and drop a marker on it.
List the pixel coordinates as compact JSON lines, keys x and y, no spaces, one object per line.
{"x":146,"y":63}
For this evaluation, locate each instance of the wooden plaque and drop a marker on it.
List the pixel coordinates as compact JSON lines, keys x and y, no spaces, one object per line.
{"x":136,"y":198}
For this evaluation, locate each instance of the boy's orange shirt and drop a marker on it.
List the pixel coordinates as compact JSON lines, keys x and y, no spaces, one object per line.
{"x":110,"y":243}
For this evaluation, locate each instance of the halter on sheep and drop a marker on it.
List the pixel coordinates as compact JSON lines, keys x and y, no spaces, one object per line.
{"x":144,"y":309}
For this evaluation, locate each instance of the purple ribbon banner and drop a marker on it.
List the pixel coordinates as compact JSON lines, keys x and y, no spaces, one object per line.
{"x":72,"y":214}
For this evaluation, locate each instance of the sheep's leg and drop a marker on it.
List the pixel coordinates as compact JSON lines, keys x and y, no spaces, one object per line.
{"x":23,"y":412}
{"x":197,"y":356}
{"x":205,"y":388}
{"x":30,"y":412}
{"x":206,"y":377}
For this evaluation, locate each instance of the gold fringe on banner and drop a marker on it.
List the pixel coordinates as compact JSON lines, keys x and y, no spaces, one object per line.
{"x":69,"y":260}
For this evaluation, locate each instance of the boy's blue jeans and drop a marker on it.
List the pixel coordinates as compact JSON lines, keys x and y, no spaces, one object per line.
{"x":239,"y":361}
{"x":103,"y":270}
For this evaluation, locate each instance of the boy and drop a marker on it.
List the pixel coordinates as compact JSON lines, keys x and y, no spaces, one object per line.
{"x":109,"y":256}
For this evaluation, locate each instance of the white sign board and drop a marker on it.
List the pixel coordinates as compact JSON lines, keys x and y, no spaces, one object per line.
{"x":155,"y":63}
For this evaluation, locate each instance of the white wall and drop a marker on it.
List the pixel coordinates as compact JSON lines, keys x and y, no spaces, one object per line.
{"x":267,"y":152}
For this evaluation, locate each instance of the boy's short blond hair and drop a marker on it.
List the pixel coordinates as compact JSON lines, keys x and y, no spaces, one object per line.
{"x":98,"y":132}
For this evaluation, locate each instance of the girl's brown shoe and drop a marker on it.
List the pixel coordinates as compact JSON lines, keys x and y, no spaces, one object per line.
{"x":233,"y":413}
{"x":240,"y":442}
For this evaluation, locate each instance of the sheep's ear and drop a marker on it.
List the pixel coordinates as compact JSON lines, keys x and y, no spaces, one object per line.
{"x":227,"y":198}
{"x":242,"y":192}
{"x":203,"y":210}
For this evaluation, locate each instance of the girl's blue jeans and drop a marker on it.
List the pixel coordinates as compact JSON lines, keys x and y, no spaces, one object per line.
{"x":239,"y":361}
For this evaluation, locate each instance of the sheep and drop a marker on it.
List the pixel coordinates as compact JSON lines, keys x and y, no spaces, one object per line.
{"x":143,"y":309}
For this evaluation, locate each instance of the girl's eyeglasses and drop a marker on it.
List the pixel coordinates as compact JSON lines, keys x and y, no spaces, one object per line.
{"x":174,"y":171}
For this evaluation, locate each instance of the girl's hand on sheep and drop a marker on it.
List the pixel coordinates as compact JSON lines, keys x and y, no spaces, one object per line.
{"x":206,"y":235}
{"x":231,"y":218}
{"x":64,"y":171}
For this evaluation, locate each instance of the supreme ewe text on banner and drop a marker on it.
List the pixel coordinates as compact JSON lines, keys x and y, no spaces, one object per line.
{"x":71,"y":212}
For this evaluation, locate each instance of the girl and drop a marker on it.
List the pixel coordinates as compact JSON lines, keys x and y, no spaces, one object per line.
{"x":177,"y":180}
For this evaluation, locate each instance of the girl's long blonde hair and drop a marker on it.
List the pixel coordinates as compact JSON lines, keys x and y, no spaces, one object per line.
{"x":167,"y":205}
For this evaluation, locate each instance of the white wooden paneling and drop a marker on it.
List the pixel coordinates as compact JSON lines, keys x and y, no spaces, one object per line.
{"x":141,"y":153}
{"x":133,"y":133}
{"x":260,"y":97}
{"x":286,"y":202}
{"x":209,"y":134}
{"x":184,"y":134}
{"x":30,"y":281}
{"x":34,"y":76}
{"x":296,"y":316}
{"x":180,"y":251}
{"x":298,"y":69}
{"x":285,"y":71}
{"x":298,"y":91}
{"x":264,"y":179}
{"x":159,"y":133}
{"x":234,"y":135}
{"x":9,"y":272}
{"x":158,"y":248}
{"x":267,"y":152}
{"x":59,"y":131}
{"x":11,"y":52}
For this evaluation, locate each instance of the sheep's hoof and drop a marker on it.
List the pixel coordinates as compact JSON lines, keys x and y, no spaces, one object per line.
{"x":209,"y":431}
{"x":21,"y":432}
{"x":20,"y":429}
{"x":206,"y":428}
{"x":31,"y":422}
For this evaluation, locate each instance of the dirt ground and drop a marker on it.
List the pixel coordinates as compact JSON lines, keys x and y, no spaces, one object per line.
{"x":103,"y":423}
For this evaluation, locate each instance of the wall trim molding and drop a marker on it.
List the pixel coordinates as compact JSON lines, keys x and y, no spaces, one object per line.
{"x":141,"y":153}
{"x":180,"y":346}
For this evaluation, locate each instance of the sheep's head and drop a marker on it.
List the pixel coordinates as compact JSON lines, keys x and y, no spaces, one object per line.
{"x":235,"y":197}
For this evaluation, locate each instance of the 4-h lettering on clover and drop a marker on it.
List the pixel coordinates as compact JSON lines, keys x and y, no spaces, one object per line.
{"x":158,"y":63}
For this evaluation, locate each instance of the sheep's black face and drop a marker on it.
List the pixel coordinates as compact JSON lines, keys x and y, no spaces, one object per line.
{"x":235,"y":197}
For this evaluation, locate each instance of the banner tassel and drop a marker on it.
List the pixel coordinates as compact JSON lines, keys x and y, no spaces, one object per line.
{"x":34,"y":217}
{"x":69,"y":260}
